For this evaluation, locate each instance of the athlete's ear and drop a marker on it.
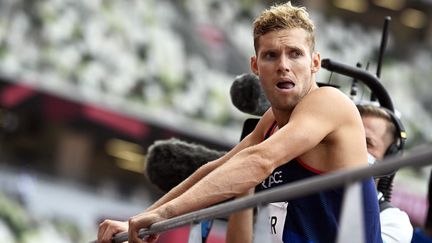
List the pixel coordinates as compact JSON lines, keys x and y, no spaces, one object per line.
{"x":254,"y":65}
{"x":316,"y":62}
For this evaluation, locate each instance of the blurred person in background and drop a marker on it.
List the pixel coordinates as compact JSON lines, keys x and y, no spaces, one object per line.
{"x":383,"y":139}
{"x":299,"y":137}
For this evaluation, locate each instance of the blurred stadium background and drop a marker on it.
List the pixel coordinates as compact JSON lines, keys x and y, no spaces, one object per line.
{"x":87,"y":86}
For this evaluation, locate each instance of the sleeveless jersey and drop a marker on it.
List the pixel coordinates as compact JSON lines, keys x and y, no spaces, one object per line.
{"x":314,"y":218}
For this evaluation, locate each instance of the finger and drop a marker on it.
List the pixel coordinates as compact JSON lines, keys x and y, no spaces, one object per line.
{"x":111,"y":228}
{"x":133,"y":232}
{"x":108,"y":236}
{"x":152,"y":238}
{"x":102,"y":229}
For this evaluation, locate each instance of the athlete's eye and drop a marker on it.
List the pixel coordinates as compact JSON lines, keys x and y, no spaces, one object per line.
{"x":270,"y":55}
{"x":296,"y":53}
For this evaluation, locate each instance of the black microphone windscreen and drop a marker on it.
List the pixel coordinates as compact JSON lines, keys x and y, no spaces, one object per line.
{"x":171,"y":161}
{"x":248,"y":96}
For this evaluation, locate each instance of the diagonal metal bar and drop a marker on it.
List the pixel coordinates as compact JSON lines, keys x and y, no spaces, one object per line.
{"x":418,"y":157}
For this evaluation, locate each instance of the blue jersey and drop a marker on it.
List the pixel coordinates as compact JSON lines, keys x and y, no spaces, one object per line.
{"x":315,"y":218}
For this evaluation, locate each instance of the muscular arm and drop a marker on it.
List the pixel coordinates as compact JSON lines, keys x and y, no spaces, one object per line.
{"x":325,"y":130}
{"x":310,"y":123}
{"x":204,"y":171}
{"x":187,"y":183}
{"x":325,"y":117}
{"x":110,"y":227}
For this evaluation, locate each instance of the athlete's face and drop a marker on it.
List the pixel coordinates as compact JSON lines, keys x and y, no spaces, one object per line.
{"x":286,"y":66}
{"x":378,"y":139}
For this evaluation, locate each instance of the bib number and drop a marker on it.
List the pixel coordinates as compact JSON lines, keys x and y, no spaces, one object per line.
{"x":277,"y":216}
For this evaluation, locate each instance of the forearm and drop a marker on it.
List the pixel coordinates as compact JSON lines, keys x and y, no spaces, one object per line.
{"x":202,"y":172}
{"x":232,"y":179}
{"x":185,"y":185}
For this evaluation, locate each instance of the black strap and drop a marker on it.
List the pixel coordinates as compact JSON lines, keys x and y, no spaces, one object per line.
{"x":383,"y":205}
{"x":270,"y":130}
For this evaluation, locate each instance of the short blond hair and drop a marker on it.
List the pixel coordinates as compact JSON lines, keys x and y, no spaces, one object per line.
{"x":375,"y":111}
{"x":283,"y":16}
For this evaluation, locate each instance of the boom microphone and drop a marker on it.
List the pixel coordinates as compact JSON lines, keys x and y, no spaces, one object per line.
{"x":248,"y":96}
{"x":171,"y":161}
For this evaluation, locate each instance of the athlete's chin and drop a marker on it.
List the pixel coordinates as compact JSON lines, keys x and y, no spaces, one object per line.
{"x":284,"y":106}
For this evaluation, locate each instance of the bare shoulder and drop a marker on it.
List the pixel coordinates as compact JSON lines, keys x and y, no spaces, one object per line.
{"x":327,"y":106}
{"x":331,"y":94}
{"x":330,"y":100}
{"x":334,"y":120}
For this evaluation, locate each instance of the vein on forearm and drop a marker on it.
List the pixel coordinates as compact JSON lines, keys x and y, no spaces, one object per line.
{"x":235,"y":177}
{"x":183,"y":186}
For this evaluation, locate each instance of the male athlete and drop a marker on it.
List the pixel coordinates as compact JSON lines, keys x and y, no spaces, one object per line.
{"x":307,"y":131}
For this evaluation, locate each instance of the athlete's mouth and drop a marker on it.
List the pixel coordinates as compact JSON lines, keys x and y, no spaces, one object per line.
{"x":285,"y":85}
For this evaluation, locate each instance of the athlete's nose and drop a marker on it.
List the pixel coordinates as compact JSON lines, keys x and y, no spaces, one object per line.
{"x":283,"y":64}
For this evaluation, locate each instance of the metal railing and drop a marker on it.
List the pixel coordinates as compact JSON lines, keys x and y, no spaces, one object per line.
{"x":417,"y":157}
